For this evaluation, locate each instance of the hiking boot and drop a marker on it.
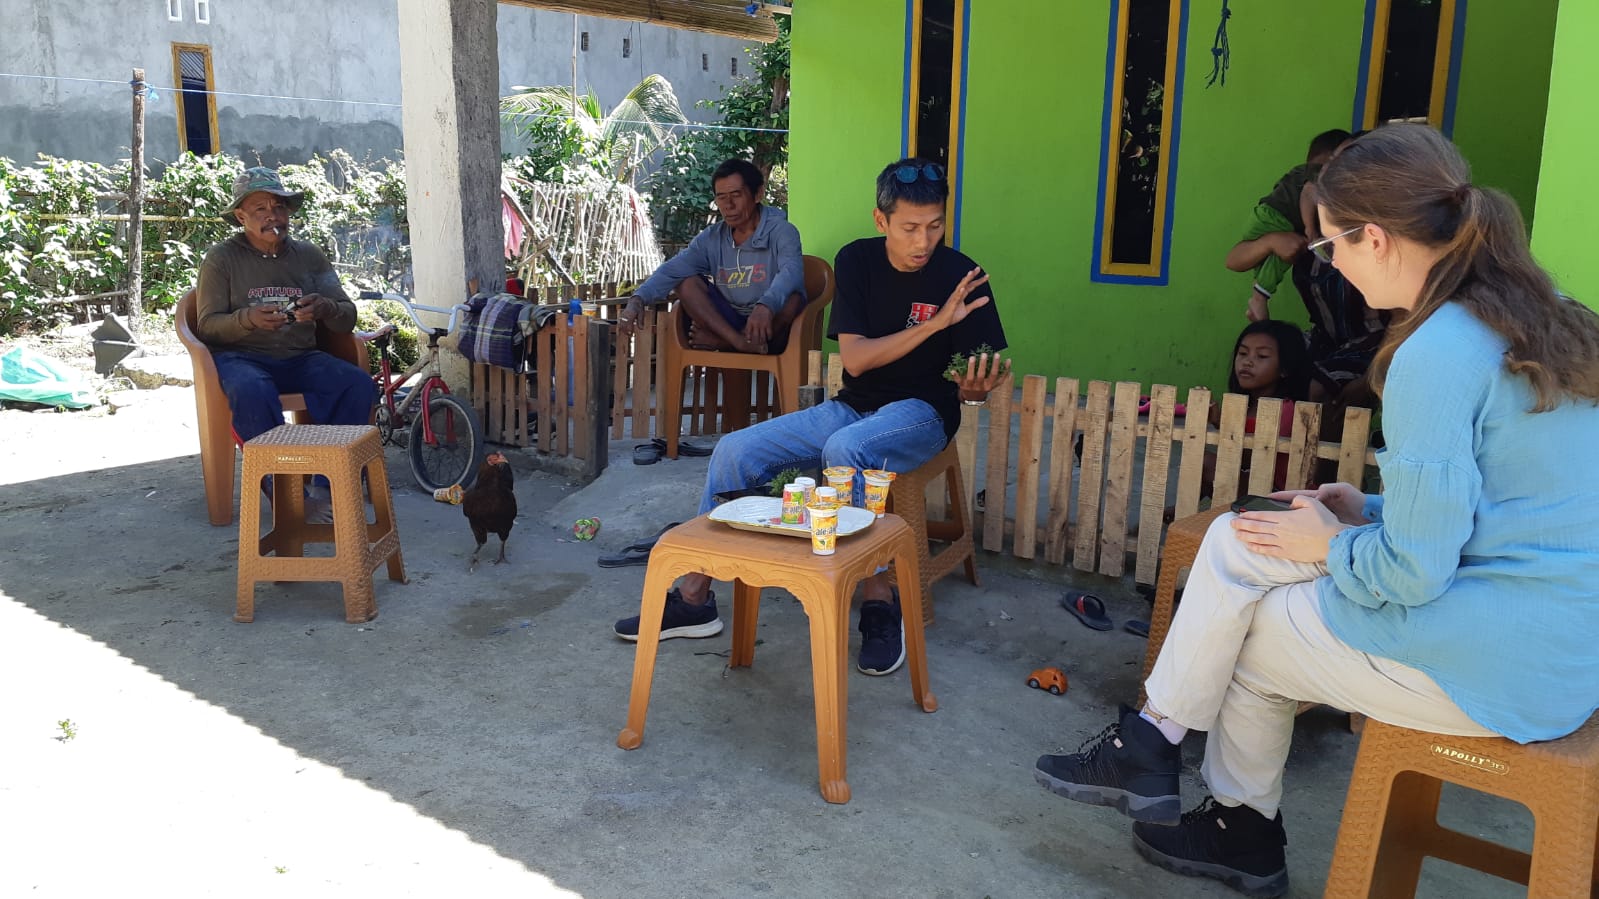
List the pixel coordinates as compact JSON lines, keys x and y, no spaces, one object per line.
{"x":681,"y":619}
{"x":1130,"y":766}
{"x":882,"y":637}
{"x":1235,"y":845}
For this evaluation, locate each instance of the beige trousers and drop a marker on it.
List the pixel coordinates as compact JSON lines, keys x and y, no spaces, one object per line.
{"x":1247,"y":644}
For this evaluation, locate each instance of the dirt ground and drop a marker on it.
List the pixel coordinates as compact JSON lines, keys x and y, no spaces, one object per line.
{"x":465,"y":739}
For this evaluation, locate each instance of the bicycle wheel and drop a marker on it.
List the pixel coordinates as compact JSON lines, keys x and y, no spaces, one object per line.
{"x":457,"y":447}
{"x":385,"y":423}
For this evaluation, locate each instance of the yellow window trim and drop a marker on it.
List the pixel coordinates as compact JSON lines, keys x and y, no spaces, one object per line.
{"x":1152,"y":269}
{"x":210,"y":99}
{"x":1440,"y":64}
{"x":954,"y":103}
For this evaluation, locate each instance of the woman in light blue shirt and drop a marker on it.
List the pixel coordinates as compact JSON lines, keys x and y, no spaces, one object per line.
{"x":1464,"y":600}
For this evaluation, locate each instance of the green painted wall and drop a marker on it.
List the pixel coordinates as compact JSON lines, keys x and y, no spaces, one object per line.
{"x":1563,"y":237}
{"x":1504,"y":80}
{"x":848,"y":63}
{"x":1031,"y":167}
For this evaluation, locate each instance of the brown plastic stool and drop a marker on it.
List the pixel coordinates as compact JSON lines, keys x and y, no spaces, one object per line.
{"x":907,"y":497}
{"x":1390,"y":818}
{"x":290,"y":453}
{"x":823,"y":585}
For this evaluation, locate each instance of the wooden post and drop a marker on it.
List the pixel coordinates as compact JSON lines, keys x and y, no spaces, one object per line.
{"x":135,"y":299}
{"x":597,"y":399}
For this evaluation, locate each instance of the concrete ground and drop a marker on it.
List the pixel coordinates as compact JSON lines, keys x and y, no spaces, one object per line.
{"x":465,"y":739}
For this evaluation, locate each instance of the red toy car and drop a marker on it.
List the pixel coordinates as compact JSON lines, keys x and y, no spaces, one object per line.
{"x":1048,"y":678}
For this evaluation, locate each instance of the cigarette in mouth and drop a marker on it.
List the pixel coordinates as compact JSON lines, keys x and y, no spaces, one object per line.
{"x":277,"y":229}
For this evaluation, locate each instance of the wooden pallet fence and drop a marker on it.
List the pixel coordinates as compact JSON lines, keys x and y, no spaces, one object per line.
{"x":1084,"y":509}
{"x":558,"y":407}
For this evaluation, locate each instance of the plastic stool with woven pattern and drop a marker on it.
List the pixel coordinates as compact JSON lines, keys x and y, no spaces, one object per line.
{"x":291,"y":453}
{"x":1390,"y":820}
{"x":1183,"y":537}
{"x":907,"y":498}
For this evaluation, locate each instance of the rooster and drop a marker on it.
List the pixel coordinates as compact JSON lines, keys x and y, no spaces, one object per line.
{"x":490,"y":504}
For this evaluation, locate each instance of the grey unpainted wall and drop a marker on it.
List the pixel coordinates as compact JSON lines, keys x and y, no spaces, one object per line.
{"x":346,"y":52}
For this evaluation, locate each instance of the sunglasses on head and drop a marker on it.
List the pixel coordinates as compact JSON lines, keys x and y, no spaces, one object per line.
{"x":907,"y":174}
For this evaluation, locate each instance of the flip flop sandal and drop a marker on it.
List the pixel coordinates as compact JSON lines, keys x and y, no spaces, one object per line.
{"x":1137,"y":627}
{"x":1087,"y":608}
{"x":647,"y":454}
{"x":628,"y":556}
{"x":648,"y":543}
{"x":683,"y":448}
{"x":637,"y":553}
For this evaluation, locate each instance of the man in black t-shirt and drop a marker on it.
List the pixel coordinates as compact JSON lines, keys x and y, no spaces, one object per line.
{"x":904,"y":305}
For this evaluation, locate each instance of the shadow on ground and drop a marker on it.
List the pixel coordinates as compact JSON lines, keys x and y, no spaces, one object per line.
{"x":466,"y":737}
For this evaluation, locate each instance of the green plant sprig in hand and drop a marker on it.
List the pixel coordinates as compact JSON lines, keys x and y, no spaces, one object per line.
{"x":957,"y":362}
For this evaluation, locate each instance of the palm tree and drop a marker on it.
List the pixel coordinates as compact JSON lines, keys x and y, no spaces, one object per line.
{"x":619,"y":140}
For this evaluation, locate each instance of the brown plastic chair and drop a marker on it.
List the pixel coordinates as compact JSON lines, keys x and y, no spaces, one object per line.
{"x":908,"y":498}
{"x":341,"y":453}
{"x":1390,"y":820}
{"x":787,"y":368}
{"x":824,"y":586}
{"x":217,"y":441}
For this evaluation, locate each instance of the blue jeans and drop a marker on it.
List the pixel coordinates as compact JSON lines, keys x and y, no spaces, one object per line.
{"x":336,"y":392}
{"x":900,"y":437}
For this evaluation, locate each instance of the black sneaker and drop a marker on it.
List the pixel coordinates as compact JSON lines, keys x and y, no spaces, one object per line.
{"x":882,"y":637}
{"x":1237,"y":846}
{"x":1129,"y":766}
{"x":680,"y":619}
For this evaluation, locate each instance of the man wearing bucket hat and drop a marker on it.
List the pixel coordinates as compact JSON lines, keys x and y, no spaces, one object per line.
{"x":260,"y":298}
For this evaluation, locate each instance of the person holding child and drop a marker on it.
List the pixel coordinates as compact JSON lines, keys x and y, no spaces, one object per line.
{"x":1281,"y":225}
{"x":1463,"y":600}
{"x":904,"y":305}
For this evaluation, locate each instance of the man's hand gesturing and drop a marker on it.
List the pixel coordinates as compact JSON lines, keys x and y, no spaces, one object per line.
{"x":956,"y":308}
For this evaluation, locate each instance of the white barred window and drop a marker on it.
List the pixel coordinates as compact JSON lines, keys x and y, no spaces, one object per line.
{"x":174,"y":10}
{"x":202,"y":11}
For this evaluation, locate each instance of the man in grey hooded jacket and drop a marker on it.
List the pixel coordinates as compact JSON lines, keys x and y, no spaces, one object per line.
{"x":741,"y":281}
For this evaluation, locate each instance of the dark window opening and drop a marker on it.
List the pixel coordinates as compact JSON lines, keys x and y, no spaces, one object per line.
{"x":1410,"y":51}
{"x":583,"y":41}
{"x":196,"y":101}
{"x":1140,"y":145}
{"x":627,"y":47}
{"x":734,"y":67}
{"x":935,"y":70}
{"x":705,"y":62}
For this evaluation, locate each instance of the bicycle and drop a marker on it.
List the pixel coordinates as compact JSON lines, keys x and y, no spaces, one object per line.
{"x":447,"y":444}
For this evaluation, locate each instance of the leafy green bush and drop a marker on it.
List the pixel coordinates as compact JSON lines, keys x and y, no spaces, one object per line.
{"x":55,"y":242}
{"x":680,"y":190}
{"x":370,"y":314}
{"x":50,"y":243}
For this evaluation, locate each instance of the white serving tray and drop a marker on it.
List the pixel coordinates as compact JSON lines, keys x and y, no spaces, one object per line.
{"x":764,"y":514}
